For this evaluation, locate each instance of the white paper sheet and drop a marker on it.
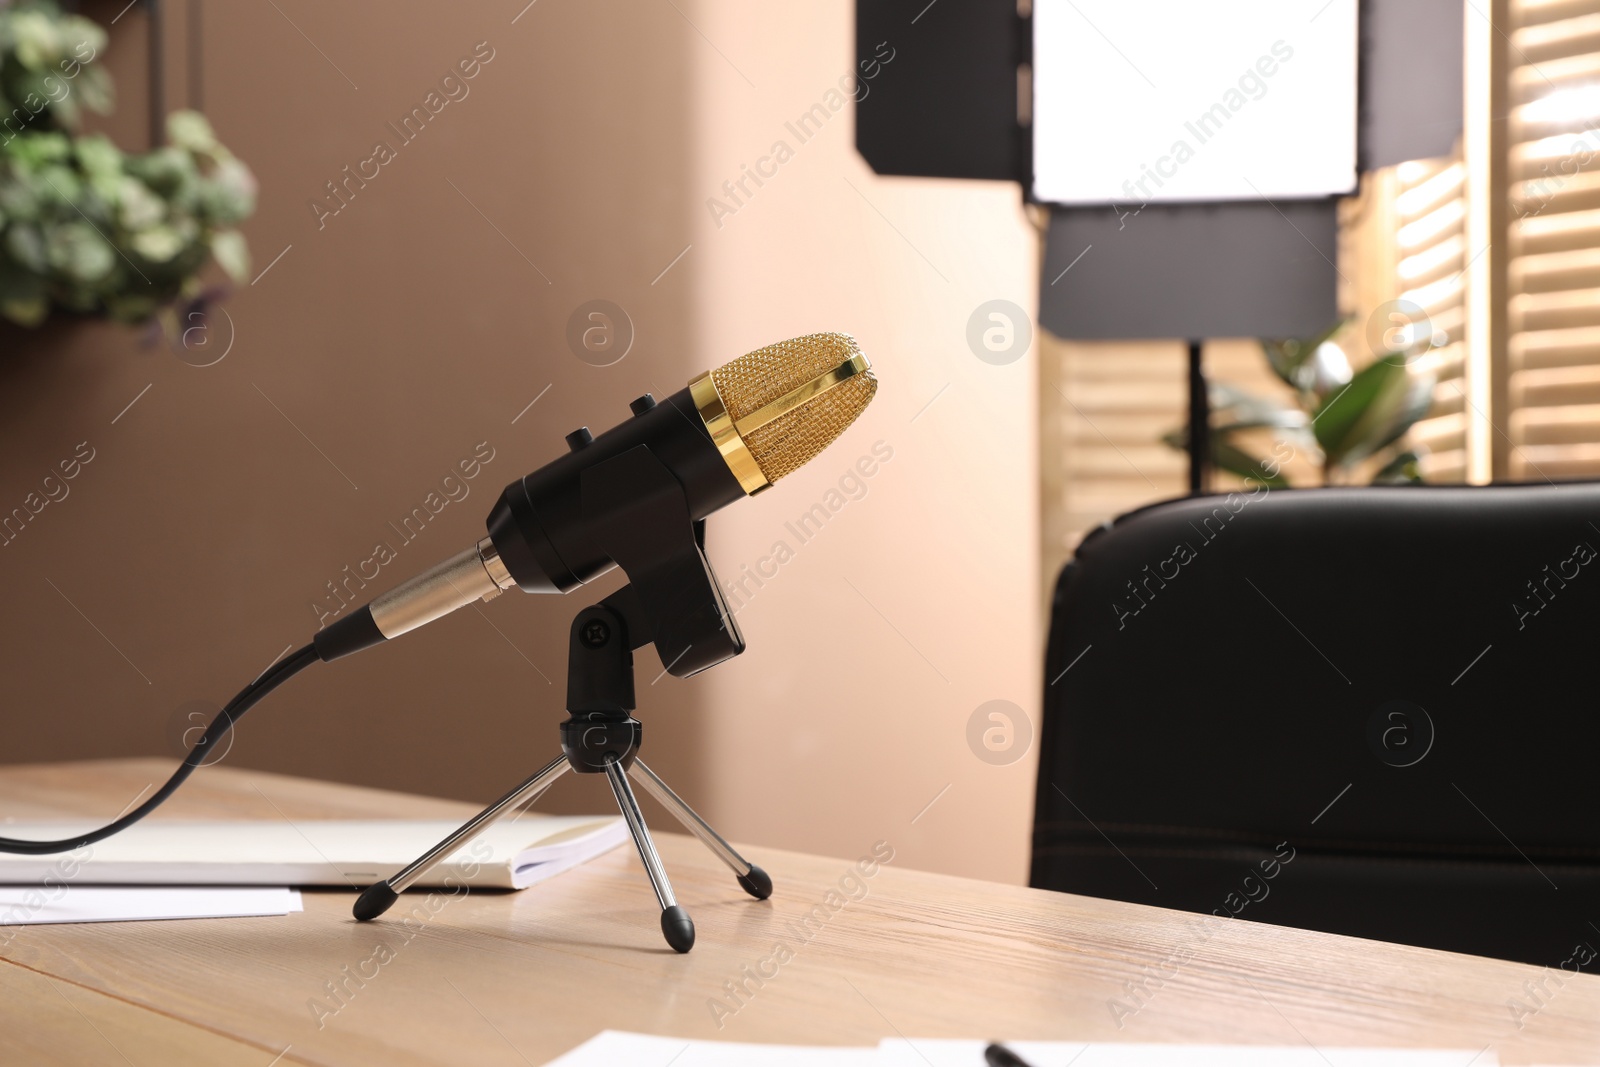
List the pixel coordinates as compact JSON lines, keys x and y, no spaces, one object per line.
{"x":930,"y":1053}
{"x":511,"y":854}
{"x":613,"y":1048}
{"x":21,"y":905}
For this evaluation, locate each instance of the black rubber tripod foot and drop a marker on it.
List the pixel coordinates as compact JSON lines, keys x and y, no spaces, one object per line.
{"x":677,"y":928}
{"x":374,"y":902}
{"x":757,"y":883}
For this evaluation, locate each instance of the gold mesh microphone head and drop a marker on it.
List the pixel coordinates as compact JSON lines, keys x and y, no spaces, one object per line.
{"x":770,"y":411}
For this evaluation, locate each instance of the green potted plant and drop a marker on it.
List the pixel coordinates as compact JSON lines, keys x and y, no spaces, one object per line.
{"x":86,"y":229}
{"x":1342,"y":419}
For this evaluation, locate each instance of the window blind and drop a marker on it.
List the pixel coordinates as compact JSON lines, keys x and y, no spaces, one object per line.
{"x":1429,"y":271}
{"x":1553,"y":239}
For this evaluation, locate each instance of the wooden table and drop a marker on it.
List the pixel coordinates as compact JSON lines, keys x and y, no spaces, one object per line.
{"x":519,"y":978}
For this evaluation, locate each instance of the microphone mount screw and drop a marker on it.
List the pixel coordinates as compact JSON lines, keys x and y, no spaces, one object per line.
{"x":595,"y":633}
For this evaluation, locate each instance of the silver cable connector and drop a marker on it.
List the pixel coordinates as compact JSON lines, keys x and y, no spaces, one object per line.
{"x":475,"y":574}
{"x":496,"y":569}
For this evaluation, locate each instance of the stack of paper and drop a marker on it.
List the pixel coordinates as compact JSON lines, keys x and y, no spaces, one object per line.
{"x":511,"y":854}
{"x":170,"y":870}
{"x":616,"y":1049}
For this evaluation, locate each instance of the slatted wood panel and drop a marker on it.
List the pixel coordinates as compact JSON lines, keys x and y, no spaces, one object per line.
{"x":1430,"y":260}
{"x":1105,"y":406}
{"x":1553,"y":273}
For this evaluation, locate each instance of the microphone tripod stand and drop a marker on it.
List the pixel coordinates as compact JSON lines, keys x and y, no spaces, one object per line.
{"x":674,"y":602}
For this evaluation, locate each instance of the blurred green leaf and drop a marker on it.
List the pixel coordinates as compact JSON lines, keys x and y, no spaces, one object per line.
{"x":190,"y":131}
{"x":48,"y":68}
{"x":232,"y":254}
{"x":101,"y":162}
{"x":1231,"y":402}
{"x":26,"y":245}
{"x":33,"y":37}
{"x":77,"y":250}
{"x":137,"y":206}
{"x":1289,"y":357}
{"x":67,"y":111}
{"x":35,"y":148}
{"x":170,"y":172}
{"x":82,"y":37}
{"x":1357,"y":421}
{"x":93,"y":87}
{"x":61,"y":185}
{"x":1229,"y":457}
{"x":25,"y":310}
{"x":228,"y":195}
{"x":36,"y":90}
{"x":17,"y":199}
{"x":1414,"y":406}
{"x":1403,"y":469}
{"x":157,"y":244}
{"x":1340,"y":422}
{"x":131,"y":307}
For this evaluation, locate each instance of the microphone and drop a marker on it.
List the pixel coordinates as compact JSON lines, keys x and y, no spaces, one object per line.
{"x":732,"y":432}
{"x":640,"y":491}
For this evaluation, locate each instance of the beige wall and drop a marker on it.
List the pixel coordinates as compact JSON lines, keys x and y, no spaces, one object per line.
{"x":408,"y":330}
{"x":869,"y":650}
{"x":396,"y":338}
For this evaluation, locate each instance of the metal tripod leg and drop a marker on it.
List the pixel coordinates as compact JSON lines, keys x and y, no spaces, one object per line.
{"x":751,"y":878}
{"x":676,"y":926}
{"x":378,"y":898}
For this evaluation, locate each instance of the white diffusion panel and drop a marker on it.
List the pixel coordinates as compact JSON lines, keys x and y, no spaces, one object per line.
{"x":1176,"y":100}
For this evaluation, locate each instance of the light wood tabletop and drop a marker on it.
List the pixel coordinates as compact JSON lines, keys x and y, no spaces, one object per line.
{"x":518,"y":978}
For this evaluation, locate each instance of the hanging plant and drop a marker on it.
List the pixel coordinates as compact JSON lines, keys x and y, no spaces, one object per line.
{"x":85,"y":228}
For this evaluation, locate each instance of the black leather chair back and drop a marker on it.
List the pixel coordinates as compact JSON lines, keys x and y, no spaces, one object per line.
{"x":1371,"y":711}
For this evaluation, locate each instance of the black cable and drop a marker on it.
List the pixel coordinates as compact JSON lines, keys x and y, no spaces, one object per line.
{"x":274,"y":676}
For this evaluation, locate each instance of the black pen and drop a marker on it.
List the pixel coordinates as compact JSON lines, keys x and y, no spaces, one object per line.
{"x":997,"y":1055}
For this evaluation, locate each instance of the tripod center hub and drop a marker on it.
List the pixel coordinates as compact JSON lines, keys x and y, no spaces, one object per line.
{"x":592,"y":739}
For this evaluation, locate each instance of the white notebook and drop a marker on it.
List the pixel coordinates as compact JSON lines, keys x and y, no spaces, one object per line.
{"x":510,"y":854}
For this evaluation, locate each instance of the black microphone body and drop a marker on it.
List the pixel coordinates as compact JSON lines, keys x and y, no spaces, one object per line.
{"x":538,"y":526}
{"x":638,"y":491}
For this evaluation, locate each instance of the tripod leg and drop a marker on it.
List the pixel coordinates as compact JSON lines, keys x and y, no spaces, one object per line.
{"x":751,"y":878}
{"x":676,"y":926}
{"x":378,"y":898}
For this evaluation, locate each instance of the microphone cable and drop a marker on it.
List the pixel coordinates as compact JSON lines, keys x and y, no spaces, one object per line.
{"x":231,"y":712}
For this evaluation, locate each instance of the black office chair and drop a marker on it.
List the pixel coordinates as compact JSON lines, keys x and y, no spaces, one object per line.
{"x":1372,"y":711}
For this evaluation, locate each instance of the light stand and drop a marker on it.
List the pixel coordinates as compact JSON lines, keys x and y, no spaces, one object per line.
{"x":1199,"y":441}
{"x":638,"y":509}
